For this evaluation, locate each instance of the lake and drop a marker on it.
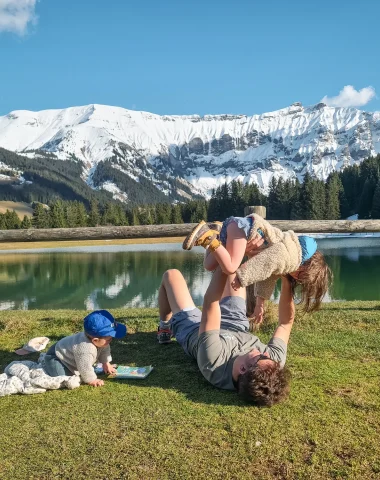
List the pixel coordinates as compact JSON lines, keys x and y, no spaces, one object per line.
{"x":129,"y":275}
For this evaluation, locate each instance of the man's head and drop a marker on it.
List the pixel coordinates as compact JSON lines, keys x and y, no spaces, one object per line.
{"x":259,"y":379}
{"x":100,"y":327}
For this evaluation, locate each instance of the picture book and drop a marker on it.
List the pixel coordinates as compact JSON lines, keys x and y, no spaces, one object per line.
{"x":124,"y":371}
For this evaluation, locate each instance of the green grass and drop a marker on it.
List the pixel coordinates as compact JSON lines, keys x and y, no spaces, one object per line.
{"x":175,"y":425}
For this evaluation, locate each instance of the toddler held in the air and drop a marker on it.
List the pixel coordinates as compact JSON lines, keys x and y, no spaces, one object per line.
{"x":282,"y":253}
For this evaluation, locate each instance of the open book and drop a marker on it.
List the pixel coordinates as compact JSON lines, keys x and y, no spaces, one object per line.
{"x":124,"y":371}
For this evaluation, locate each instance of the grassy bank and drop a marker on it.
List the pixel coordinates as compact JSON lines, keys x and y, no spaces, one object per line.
{"x":86,"y":243}
{"x":174,"y":425}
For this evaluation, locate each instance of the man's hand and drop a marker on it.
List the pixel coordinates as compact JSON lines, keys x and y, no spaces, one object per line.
{"x":235,"y":284}
{"x":259,"y":311}
{"x":253,"y":246}
{"x":97,"y":383}
{"x":108,"y":368}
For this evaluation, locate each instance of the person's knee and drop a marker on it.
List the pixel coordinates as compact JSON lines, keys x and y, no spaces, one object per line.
{"x":170,"y":275}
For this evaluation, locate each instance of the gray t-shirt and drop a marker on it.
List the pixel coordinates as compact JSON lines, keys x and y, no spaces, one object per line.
{"x":218,"y":349}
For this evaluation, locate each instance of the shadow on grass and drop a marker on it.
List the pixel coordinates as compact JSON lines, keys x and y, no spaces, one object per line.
{"x":173,"y":369}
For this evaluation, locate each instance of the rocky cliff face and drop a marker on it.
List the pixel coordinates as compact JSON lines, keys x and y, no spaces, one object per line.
{"x":200,"y":152}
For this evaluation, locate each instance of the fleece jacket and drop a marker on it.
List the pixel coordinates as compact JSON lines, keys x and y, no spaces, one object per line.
{"x":282,"y":256}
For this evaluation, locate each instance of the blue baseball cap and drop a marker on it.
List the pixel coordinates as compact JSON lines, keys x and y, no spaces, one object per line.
{"x":101,"y":323}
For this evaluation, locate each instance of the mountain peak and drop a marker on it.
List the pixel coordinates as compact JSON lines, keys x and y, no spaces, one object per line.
{"x":203,"y":151}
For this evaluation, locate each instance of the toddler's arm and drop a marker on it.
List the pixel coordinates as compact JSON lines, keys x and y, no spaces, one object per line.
{"x":84,"y":362}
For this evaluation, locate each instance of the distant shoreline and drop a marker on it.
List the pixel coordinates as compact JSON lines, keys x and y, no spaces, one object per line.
{"x":85,"y":243}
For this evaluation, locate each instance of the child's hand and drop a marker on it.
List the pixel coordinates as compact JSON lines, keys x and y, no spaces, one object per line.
{"x":235,"y":284}
{"x":108,"y":368}
{"x":97,"y":383}
{"x":253,"y":246}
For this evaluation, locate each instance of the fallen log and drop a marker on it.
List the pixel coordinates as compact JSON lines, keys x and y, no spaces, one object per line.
{"x":177,"y":230}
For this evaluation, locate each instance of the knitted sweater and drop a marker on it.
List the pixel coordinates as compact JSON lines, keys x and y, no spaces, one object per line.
{"x":268,"y":265}
{"x":79,"y":354}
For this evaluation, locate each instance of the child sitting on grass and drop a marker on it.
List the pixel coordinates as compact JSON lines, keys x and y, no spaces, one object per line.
{"x":76,"y":354}
{"x":282,"y":253}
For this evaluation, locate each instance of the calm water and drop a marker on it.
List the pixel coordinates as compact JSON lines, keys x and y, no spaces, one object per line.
{"x":118,"y":276}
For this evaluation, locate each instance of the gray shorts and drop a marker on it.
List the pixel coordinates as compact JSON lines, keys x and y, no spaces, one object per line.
{"x":185,"y":324}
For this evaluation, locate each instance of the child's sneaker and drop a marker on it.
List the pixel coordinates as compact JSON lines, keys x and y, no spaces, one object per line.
{"x":164,"y":335}
{"x":205,"y":235}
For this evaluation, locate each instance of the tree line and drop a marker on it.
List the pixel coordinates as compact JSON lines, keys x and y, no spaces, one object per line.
{"x":356,"y":189}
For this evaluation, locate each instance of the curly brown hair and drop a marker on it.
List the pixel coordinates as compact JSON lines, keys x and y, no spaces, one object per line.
{"x":314,"y":278}
{"x":264,"y":385}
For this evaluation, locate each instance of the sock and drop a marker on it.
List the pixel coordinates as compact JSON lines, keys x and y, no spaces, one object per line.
{"x":164,"y":325}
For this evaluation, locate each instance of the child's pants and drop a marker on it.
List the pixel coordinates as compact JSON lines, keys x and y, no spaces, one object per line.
{"x":53,"y":366}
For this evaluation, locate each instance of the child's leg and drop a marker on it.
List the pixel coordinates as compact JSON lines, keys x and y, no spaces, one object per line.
{"x":230,"y":258}
{"x":54,"y":367}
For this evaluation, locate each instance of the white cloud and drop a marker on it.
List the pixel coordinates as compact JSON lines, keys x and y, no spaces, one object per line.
{"x":349,"y":97}
{"x":15,"y":15}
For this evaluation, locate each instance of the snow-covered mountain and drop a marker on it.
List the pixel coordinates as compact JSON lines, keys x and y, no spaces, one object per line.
{"x":202,"y":152}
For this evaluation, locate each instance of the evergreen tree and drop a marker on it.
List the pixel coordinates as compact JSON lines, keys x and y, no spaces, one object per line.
{"x":313,"y":197}
{"x":40,"y":217}
{"x":121,"y":217}
{"x":57,"y":215}
{"x":237,"y":200}
{"x":3,"y":224}
{"x":135,"y":217}
{"x":12,"y":220}
{"x":94,"y":216}
{"x":296,"y":209}
{"x":272,"y":199}
{"x":163,"y":212}
{"x":176,"y":216}
{"x":334,"y":187}
{"x":109,"y":214}
{"x":213,"y":208}
{"x":366,"y":198}
{"x":70,"y":214}
{"x":81,"y":214}
{"x":26,"y":223}
{"x":376,"y":202}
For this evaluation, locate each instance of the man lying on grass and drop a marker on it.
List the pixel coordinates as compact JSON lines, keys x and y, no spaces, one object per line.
{"x":228,"y":356}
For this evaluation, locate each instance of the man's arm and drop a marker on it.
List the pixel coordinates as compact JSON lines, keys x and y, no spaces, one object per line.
{"x":286,"y":311}
{"x":211,"y":315}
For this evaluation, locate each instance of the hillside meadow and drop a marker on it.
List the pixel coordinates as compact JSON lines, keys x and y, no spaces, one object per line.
{"x":174,"y":425}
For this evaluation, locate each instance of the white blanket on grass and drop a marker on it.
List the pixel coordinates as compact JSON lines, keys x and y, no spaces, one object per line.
{"x":29,"y":377}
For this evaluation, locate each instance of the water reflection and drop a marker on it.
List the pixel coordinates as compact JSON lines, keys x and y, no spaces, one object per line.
{"x":93,"y":280}
{"x":111,"y":279}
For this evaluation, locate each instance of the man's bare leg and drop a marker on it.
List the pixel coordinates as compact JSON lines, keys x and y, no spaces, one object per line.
{"x":173,"y":296}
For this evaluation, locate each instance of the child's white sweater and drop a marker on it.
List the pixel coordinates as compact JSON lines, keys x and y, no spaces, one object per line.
{"x":282,"y":256}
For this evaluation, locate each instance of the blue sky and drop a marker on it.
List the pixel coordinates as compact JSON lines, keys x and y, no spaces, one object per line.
{"x":183,"y":57}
